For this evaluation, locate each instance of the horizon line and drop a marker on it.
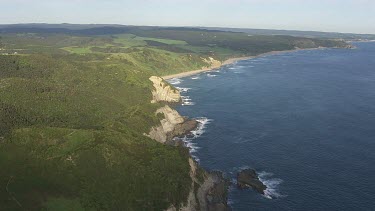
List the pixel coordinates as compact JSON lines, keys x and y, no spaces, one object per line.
{"x":174,"y":26}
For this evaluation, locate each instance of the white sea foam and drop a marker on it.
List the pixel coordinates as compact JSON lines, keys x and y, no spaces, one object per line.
{"x":272,"y":184}
{"x":189,"y":139}
{"x":202,"y":123}
{"x":186,"y":101}
{"x":183,"y":90}
{"x":210,"y":75}
{"x":195,"y":78}
{"x":175,"y":81}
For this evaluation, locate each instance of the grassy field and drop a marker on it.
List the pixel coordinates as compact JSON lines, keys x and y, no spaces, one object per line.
{"x":78,"y":50}
{"x":74,"y":108}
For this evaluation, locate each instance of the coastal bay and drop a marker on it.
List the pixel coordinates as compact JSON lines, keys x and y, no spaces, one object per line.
{"x":301,"y":119}
{"x":229,"y":62}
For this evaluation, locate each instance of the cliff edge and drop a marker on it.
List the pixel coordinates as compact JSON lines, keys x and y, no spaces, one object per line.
{"x":208,"y":190}
{"x":172,"y":125}
{"x":163,"y":91}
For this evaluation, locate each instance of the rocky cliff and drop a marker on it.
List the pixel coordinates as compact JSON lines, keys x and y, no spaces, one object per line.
{"x":212,"y":62}
{"x":163,"y":91}
{"x":208,"y":190}
{"x":172,"y":125}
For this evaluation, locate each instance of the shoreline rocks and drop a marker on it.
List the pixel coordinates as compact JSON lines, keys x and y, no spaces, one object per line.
{"x":212,"y":194}
{"x":208,"y":191}
{"x":249,"y":178}
{"x":173,"y":125}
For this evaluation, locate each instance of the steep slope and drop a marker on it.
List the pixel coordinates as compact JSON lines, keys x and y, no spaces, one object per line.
{"x":72,"y":134}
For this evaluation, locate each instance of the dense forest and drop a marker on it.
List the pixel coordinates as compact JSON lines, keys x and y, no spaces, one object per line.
{"x":75,"y":103}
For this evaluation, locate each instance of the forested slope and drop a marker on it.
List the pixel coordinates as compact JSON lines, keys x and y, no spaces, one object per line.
{"x":74,"y":107}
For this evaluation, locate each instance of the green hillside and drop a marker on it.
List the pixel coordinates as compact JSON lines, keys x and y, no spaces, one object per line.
{"x":74,"y":108}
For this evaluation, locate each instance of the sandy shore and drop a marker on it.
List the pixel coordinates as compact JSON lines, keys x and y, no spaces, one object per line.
{"x":228,"y":62}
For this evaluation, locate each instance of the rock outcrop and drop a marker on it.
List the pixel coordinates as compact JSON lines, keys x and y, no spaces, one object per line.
{"x":212,"y":194}
{"x":163,"y":91}
{"x":249,"y":178}
{"x":173,"y":125}
{"x":208,"y":193}
{"x":212,"y":62}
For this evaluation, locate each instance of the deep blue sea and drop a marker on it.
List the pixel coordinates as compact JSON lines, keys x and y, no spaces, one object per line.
{"x":304,"y":120}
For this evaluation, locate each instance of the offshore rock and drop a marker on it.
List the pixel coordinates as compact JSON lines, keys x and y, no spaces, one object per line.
{"x":163,"y":92}
{"x":249,"y":178}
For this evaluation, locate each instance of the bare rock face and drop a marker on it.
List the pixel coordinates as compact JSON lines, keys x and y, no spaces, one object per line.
{"x":163,"y":91}
{"x":173,"y":125}
{"x":249,"y":178}
{"x":212,"y":194}
{"x":209,"y":194}
{"x":212,"y":62}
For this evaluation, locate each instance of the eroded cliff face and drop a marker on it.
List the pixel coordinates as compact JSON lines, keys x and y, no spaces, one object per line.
{"x":163,"y":91}
{"x":208,"y":190}
{"x":212,"y":62}
{"x":172,"y":125}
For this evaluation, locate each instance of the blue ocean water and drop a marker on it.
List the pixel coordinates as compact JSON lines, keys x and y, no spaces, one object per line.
{"x":304,"y":120}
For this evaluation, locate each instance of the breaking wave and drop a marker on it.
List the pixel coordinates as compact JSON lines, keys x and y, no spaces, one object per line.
{"x":272,"y":184}
{"x":195,"y":78}
{"x":202,"y":123}
{"x":210,"y":75}
{"x":189,"y":139}
{"x":186,"y":101}
{"x":182,"y":90}
{"x":175,"y":81}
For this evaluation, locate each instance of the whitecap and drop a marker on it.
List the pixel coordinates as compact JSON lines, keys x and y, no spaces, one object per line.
{"x":210,"y":75}
{"x":195,"y":78}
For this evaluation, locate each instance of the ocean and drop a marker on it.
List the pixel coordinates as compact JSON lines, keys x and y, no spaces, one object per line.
{"x":305,"y":121}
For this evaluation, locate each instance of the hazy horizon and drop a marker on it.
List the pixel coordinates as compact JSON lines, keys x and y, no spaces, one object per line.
{"x":345,"y":16}
{"x":286,"y":29}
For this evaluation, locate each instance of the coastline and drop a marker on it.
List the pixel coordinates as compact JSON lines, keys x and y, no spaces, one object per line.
{"x":232,"y":61}
{"x":220,"y":187}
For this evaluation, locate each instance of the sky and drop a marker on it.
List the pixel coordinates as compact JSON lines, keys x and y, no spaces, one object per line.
{"x":357,"y":16}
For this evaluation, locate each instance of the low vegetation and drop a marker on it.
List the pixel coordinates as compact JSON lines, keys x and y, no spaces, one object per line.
{"x":74,"y":107}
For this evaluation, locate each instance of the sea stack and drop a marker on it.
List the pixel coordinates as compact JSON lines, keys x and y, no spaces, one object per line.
{"x":249,"y":178}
